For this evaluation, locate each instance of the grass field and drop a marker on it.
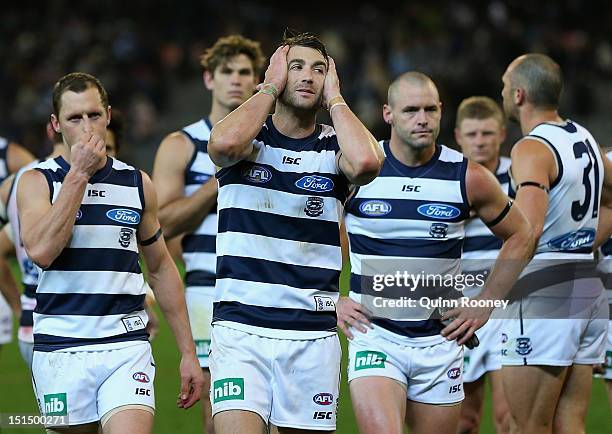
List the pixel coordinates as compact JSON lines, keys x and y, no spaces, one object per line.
{"x":16,"y":394}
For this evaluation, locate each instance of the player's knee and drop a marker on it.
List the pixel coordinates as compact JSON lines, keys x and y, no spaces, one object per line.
{"x":468,"y":422}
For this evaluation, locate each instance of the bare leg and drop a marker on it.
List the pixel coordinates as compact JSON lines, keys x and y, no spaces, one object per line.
{"x":471,"y":408}
{"x":431,"y":418}
{"x":379,"y":404}
{"x":570,"y":416}
{"x":238,"y":422}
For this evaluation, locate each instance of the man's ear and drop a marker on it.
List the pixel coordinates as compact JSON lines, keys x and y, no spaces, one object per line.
{"x":387,"y":114}
{"x":55,"y":123}
{"x":208,"y":80}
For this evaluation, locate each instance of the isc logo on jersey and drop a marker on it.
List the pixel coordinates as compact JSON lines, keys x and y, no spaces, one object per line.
{"x":369,"y":359}
{"x":257,"y":174}
{"x":438,"y":211}
{"x":319,"y":184}
{"x":228,"y":388}
{"x":573,"y":240}
{"x":123,"y":215}
{"x":56,"y":404}
{"x":375,"y":208}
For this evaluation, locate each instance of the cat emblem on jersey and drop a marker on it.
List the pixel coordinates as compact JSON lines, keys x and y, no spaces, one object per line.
{"x":314,"y":206}
{"x":438,"y":230}
{"x":125,"y":236}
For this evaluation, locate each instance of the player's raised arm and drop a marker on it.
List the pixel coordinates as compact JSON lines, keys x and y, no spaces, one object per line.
{"x":46,"y":228}
{"x":361,"y":157}
{"x":166,"y":284}
{"x":231,"y":138}
{"x":507,"y":222}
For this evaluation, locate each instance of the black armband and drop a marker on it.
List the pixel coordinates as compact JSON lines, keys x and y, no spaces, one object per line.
{"x":501,"y":215}
{"x":151,"y":240}
{"x":533,"y":184}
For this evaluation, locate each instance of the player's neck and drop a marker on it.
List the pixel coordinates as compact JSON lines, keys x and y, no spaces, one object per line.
{"x":58,"y":150}
{"x":492,"y":164}
{"x":410,"y":156}
{"x":530,"y":117}
{"x":218,"y":112}
{"x":292,"y":123}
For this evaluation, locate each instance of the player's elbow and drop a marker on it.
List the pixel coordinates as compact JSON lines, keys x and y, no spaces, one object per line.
{"x":365,"y":169}
{"x":224,"y":148}
{"x":41,"y":256}
{"x":525,"y":240}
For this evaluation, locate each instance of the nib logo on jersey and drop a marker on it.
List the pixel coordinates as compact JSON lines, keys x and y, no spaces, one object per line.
{"x":369,"y":359}
{"x":228,"y":388}
{"x":56,"y":404}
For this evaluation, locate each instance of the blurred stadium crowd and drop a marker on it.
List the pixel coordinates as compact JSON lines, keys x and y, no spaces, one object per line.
{"x":147,"y":55}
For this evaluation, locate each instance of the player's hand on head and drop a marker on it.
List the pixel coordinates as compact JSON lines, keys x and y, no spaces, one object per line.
{"x":192,"y":381}
{"x":276,"y":74}
{"x":88,"y":153}
{"x":331,"y":86}
{"x":352,"y":314}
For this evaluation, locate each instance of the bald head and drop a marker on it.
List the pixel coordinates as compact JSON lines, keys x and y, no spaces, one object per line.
{"x":411,"y":78}
{"x":540,"y":77}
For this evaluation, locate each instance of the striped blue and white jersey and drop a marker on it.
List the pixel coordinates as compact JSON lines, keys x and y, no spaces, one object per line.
{"x":278,"y":243}
{"x":481,"y":246}
{"x":605,"y":263}
{"x":573,"y":207}
{"x":199,"y":246}
{"x":415,"y":215}
{"x":30,"y":272}
{"x":92,"y":295}
{"x":4,"y":171}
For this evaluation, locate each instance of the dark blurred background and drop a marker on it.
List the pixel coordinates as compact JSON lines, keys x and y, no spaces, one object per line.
{"x":146,"y":54}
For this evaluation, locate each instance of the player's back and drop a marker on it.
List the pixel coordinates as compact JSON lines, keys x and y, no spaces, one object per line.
{"x":572,"y":215}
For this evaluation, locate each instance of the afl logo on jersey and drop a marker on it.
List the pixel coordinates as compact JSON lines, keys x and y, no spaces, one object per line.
{"x":375,"y":208}
{"x":141,"y":377}
{"x":123,"y":215}
{"x":257,"y":174}
{"x":79,"y":214}
{"x":438,"y":211}
{"x":573,"y":241}
{"x":319,"y":184}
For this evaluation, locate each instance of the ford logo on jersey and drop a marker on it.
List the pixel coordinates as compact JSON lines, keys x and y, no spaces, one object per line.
{"x":375,"y":208}
{"x":316,"y":183}
{"x":439,"y":211}
{"x":574,"y":240}
{"x":257,"y":174}
{"x":123,"y":215}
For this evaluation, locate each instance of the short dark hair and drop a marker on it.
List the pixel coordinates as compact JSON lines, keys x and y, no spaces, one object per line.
{"x":541,"y":78}
{"x":306,"y":39}
{"x":76,"y":82}
{"x":117,"y":126}
{"x":479,"y":107}
{"x":229,"y":46}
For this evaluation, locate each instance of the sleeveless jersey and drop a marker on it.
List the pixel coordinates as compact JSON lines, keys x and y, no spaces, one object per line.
{"x":92,"y":295}
{"x":278,"y":243}
{"x":199,"y":246}
{"x":414,"y":214}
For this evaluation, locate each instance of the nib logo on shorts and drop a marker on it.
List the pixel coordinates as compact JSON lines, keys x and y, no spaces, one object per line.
{"x":369,"y":359}
{"x":56,"y":404}
{"x":228,"y":388}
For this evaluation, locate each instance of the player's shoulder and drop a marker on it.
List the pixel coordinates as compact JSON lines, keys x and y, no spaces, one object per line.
{"x":450,"y":155}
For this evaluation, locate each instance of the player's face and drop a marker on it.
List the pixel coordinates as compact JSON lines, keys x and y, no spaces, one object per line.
{"x":81,"y":113}
{"x":305,"y":78}
{"x":416,"y":114}
{"x":233,"y":82}
{"x":480,"y":139}
{"x":111,"y":144}
{"x":510,"y":108}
